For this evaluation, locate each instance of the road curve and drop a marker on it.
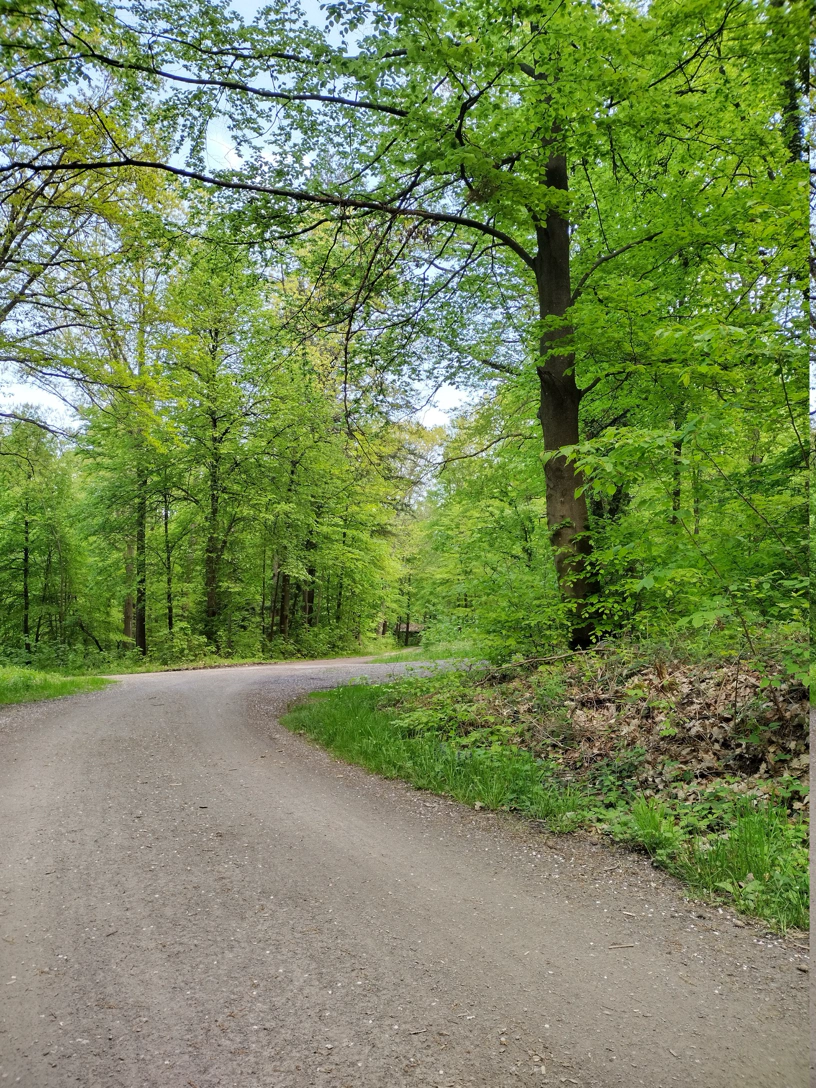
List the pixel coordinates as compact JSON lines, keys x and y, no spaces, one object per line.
{"x":191,"y":897}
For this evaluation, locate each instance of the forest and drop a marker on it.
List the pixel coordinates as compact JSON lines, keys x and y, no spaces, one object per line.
{"x":245,"y":250}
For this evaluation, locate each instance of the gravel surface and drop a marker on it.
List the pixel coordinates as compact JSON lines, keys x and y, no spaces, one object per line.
{"x":193,"y":897}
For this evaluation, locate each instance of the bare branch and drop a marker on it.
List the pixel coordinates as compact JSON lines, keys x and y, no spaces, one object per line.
{"x":476,"y":453}
{"x":50,"y":428}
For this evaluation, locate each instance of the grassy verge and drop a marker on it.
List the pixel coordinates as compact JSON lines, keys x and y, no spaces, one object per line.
{"x":20,"y":685}
{"x":747,"y":850}
{"x":349,"y":722}
{"x":453,"y":651}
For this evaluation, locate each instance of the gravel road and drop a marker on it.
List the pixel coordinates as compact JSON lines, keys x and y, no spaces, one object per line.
{"x":191,"y":897}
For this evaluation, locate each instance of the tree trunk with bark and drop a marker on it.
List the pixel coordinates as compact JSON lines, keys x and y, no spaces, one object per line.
{"x":273,"y":600}
{"x":677,"y":480}
{"x":560,"y":401}
{"x":211,"y":548}
{"x":140,"y":610}
{"x":127,"y":618}
{"x":309,"y":592}
{"x":26,"y":584}
{"x":168,"y":563}
{"x":284,"y":607}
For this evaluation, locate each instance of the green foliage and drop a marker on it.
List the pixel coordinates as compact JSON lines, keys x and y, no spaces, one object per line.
{"x":269,"y":343}
{"x":431,"y":156}
{"x":761,"y":861}
{"x":213,"y":491}
{"x":23,"y":685}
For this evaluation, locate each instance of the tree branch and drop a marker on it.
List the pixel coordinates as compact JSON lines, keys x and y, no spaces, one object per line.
{"x":237,"y":85}
{"x":299,"y":195}
{"x":17,"y":418}
{"x":608,"y":257}
{"x":476,"y":453}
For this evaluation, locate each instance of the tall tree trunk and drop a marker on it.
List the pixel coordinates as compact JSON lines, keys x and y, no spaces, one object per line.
{"x":695,"y":498}
{"x":338,"y":608}
{"x":273,"y":601}
{"x":309,"y":595}
{"x":318,"y":595}
{"x":677,"y":480}
{"x":26,"y":579}
{"x":44,"y":594}
{"x":284,"y":607}
{"x":262,"y":615}
{"x":211,"y":549}
{"x":560,"y":400}
{"x":309,"y":600}
{"x":680,"y":416}
{"x":168,"y":563}
{"x":140,"y":611}
{"x":127,"y":619}
{"x":296,"y":607}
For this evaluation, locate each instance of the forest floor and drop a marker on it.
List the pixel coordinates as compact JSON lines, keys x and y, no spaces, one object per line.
{"x":192,"y":892}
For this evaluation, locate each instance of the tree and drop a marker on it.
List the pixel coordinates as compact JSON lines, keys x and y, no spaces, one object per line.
{"x":39,"y":569}
{"x":563,"y":135}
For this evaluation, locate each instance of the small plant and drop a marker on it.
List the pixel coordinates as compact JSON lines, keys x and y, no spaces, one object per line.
{"x":649,"y":824}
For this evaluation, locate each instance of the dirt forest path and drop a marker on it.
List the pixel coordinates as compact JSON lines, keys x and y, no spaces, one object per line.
{"x":192,"y":897}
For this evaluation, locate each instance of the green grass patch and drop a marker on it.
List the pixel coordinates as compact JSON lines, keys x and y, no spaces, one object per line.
{"x":758,"y":859}
{"x":21,"y":685}
{"x":748,"y":852}
{"x":350,"y":723}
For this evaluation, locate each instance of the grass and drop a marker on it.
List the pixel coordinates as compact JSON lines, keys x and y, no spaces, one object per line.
{"x":348,"y":722}
{"x":444,"y":652}
{"x":762,"y":863}
{"x":22,"y":685}
{"x":751,"y":855}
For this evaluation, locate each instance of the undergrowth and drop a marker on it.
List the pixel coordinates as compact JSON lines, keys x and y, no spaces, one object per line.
{"x":190,"y":655}
{"x":718,"y":809}
{"x":21,"y":685}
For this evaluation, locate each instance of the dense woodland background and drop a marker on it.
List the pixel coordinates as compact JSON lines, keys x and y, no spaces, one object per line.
{"x":247,"y":348}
